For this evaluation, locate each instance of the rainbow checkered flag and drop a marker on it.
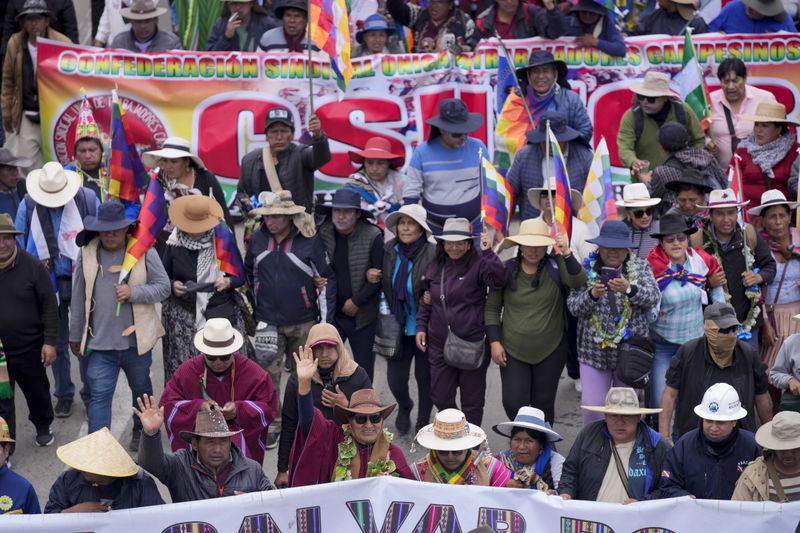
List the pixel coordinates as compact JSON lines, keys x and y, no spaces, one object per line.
{"x":152,"y":219}
{"x":599,"y":203}
{"x":330,"y":31}
{"x":563,"y":200}
{"x":229,"y":259}
{"x":497,"y":198}
{"x":127,"y":173}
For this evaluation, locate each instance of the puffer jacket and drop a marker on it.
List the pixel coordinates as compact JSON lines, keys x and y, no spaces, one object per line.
{"x":581,"y":304}
{"x":12,"y":74}
{"x":188,"y":480}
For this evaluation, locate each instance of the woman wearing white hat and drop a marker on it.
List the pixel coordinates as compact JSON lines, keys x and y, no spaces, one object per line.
{"x":531,"y":457}
{"x":782,"y":300}
{"x":452,"y":459}
{"x":640,"y":216}
{"x":532,"y":306}
{"x":181,"y":172}
{"x":706,"y":462}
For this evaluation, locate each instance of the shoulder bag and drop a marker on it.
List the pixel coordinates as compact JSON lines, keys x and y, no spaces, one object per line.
{"x":460,"y":353}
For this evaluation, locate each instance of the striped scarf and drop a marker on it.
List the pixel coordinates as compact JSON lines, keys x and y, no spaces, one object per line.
{"x":665,"y":273}
{"x":457,"y":477}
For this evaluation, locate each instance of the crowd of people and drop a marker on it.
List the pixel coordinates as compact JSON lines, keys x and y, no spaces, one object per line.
{"x":679,"y":323}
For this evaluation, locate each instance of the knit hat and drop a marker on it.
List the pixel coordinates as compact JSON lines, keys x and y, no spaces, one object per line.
{"x":673,"y":136}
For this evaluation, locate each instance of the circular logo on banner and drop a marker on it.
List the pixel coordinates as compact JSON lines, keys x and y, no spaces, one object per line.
{"x":143,"y":124}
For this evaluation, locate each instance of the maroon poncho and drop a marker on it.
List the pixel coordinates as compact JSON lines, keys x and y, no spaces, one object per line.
{"x":314,"y":455}
{"x":253,"y":393}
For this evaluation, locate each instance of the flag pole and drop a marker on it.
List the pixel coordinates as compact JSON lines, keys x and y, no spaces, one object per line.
{"x":309,"y":68}
{"x":480,"y":174}
{"x":511,"y":65}
{"x":549,"y":160}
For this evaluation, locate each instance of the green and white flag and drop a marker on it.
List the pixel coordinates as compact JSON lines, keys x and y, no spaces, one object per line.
{"x":692,"y":86}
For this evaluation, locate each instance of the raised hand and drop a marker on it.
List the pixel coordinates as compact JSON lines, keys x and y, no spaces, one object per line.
{"x":150,"y":414}
{"x":306,"y":367}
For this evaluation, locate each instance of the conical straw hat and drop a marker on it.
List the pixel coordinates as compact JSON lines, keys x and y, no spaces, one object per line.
{"x":98,"y":453}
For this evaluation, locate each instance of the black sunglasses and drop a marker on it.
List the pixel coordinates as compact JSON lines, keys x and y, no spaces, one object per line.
{"x":727,"y":330}
{"x":362,"y":419}
{"x":546,"y":194}
{"x":650,"y":99}
{"x":449,"y":452}
{"x":639,"y":213}
{"x":219,"y":357}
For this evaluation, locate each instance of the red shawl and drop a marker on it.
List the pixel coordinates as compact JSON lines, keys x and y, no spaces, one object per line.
{"x":314,"y":455}
{"x":253,"y":393}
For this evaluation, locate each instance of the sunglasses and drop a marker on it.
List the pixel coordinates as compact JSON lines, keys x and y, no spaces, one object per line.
{"x":639,"y":213}
{"x":650,"y":99}
{"x":219,"y":357}
{"x":728,"y":330}
{"x":546,"y":194}
{"x":362,"y":419}
{"x":441,"y":453}
{"x":680,"y":237}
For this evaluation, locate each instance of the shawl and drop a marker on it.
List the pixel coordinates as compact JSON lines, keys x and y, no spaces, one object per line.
{"x":405,"y":253}
{"x":530,"y":476}
{"x":207,"y":268}
{"x":539,"y":105}
{"x":766,"y":156}
{"x":699,"y":265}
{"x":345,"y":365}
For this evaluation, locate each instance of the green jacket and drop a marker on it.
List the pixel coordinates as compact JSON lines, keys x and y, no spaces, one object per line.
{"x":646,"y":147}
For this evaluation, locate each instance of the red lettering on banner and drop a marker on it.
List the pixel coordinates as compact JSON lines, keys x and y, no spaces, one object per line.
{"x":336,"y":118}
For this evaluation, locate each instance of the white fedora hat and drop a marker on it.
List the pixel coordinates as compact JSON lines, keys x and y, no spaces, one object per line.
{"x":217,"y":338}
{"x":173,"y":148}
{"x":415,"y":212}
{"x":637,"y":195}
{"x":529,"y":418}
{"x":450,"y":431}
{"x":52,"y":186}
{"x":722,"y":198}
{"x":456,"y":229}
{"x":770,"y":198}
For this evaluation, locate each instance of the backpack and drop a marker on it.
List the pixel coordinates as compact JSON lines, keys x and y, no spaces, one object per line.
{"x":638,"y":117}
{"x":709,"y":178}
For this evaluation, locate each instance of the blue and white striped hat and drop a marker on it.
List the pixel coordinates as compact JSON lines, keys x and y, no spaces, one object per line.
{"x":529,"y":418}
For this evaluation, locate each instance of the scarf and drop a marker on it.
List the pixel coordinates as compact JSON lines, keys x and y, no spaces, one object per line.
{"x":665,"y":273}
{"x":787,"y":252}
{"x":402,"y":299}
{"x":720,"y":347}
{"x":464,"y":475}
{"x":766,"y":156}
{"x":531,"y":476}
{"x":45,"y":243}
{"x":207,"y":269}
{"x":6,"y":263}
{"x":540,"y":104}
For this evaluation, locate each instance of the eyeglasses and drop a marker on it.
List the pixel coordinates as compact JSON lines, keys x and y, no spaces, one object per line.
{"x":639,"y":213}
{"x":362,"y":419}
{"x":218,"y":357}
{"x":680,"y":237}
{"x":441,"y":453}
{"x":726,"y":331}
{"x":545,"y":194}
{"x":650,"y":99}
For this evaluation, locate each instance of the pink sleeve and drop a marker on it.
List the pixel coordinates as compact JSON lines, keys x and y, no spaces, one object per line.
{"x":498,"y":474}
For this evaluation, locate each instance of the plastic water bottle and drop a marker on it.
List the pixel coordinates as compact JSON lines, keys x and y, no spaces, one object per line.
{"x":383,"y":306}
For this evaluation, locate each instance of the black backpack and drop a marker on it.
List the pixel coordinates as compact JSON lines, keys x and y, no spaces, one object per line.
{"x":638,"y":116}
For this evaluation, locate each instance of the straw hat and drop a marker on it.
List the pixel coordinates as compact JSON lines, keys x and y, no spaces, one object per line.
{"x":783,"y":433}
{"x":532,"y":232}
{"x":5,"y":433}
{"x":52,"y":185}
{"x":771,"y":198}
{"x":210,"y":424}
{"x":529,"y":418}
{"x":279,"y":203}
{"x":621,"y":401}
{"x":218,"y":337}
{"x":142,"y":10}
{"x":98,"y":453}
{"x":415,"y":212}
{"x":173,"y":148}
{"x":450,"y":431}
{"x":534,"y":195}
{"x":722,"y":198}
{"x":637,"y":195}
{"x":363,"y":402}
{"x":456,"y":229}
{"x":654,"y":84}
{"x":195,"y":214}
{"x":770,"y":112}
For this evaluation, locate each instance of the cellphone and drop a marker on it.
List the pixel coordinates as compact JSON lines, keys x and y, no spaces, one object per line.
{"x":609,"y":273}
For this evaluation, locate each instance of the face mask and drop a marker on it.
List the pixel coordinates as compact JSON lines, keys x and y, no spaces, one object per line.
{"x":720,"y":346}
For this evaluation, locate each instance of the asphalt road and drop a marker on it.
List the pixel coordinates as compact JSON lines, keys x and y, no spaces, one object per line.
{"x":42,"y":467}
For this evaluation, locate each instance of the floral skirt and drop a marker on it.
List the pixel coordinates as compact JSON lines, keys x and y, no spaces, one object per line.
{"x":178,"y":343}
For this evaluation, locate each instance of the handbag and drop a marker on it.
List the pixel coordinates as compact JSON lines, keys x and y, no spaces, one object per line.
{"x":635,"y":362}
{"x":388,"y":337}
{"x":460,"y":353}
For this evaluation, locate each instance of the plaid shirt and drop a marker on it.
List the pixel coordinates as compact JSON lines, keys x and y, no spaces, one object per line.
{"x":581,"y":305}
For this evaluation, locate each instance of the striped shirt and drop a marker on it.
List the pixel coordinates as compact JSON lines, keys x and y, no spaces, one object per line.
{"x":791,"y":489}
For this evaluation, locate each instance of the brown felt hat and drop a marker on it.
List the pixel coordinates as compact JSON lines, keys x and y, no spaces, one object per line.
{"x":210,"y":424}
{"x":363,"y":402}
{"x":195,"y":214}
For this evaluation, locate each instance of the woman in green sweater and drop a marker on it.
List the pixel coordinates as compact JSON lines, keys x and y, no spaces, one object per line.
{"x":526,"y":322}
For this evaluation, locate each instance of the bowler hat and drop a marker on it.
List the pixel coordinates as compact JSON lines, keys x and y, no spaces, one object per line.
{"x":453,"y":117}
{"x":613,"y":234}
{"x":300,"y":5}
{"x":558,"y":125}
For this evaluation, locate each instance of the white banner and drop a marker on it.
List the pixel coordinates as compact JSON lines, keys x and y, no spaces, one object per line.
{"x":389,"y":505}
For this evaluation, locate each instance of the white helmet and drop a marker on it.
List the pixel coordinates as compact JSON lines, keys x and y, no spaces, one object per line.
{"x":721,"y":403}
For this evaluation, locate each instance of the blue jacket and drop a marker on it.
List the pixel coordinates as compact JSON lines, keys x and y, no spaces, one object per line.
{"x":526,"y":172}
{"x":17,"y":495}
{"x":694,"y":468}
{"x":733,"y":19}
{"x":281,"y":275}
{"x":71,"y":488}
{"x":610,"y":39}
{"x":570,"y":105}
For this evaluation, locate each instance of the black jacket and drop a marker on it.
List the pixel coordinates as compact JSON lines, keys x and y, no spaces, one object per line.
{"x":530,"y":21}
{"x":71,"y":488}
{"x":289,"y":417}
{"x":63,"y":20}
{"x":259,"y":23}
{"x":583,"y":471}
{"x":419,"y":265}
{"x":694,"y":468}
